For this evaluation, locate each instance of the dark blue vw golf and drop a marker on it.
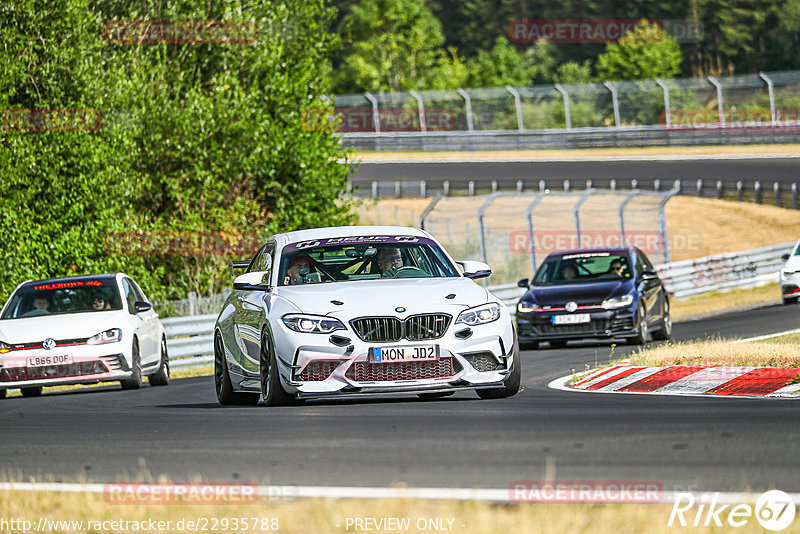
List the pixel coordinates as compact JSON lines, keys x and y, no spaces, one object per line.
{"x":593,"y":293}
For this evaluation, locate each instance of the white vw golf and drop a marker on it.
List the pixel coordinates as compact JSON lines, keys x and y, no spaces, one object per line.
{"x":80,"y":329}
{"x":361,"y":310}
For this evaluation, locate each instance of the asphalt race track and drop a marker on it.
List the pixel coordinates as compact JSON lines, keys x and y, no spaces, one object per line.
{"x":181,"y":432}
{"x":768,"y":170}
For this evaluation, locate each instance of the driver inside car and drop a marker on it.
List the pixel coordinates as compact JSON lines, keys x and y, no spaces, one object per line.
{"x":294,"y":274}
{"x":389,"y":261}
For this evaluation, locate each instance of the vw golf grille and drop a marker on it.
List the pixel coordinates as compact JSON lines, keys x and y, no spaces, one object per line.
{"x":414,"y":328}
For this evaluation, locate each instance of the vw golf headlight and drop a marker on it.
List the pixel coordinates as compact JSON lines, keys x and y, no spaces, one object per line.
{"x":785,"y":273}
{"x":618,"y":302}
{"x":527,"y":307}
{"x":480,"y":314}
{"x":109,"y":336}
{"x":312,"y":324}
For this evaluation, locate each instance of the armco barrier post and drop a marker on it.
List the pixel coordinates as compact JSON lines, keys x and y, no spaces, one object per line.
{"x":542,"y":186}
{"x":720,"y":189}
{"x":656,"y":185}
{"x":699,"y":187}
{"x":757,"y":187}
{"x":634,"y":184}
{"x":794,"y":196}
{"x":776,"y":189}
{"x":566,"y":186}
{"x":519,"y":187}
{"x":471,"y":187}
{"x":739,"y":191}
{"x":446,"y":188}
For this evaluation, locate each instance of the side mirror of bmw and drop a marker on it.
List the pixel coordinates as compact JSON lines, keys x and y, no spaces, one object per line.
{"x":785,"y":257}
{"x":475,"y":269}
{"x":142,"y":306}
{"x":251,"y":281}
{"x":523,"y":283}
{"x":649,"y":275}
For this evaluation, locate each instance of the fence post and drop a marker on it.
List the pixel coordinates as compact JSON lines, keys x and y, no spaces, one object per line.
{"x":519,"y":187}
{"x":376,"y":117}
{"x":794,"y":196}
{"x":517,"y":105}
{"x":468,"y":104}
{"x":427,"y":211}
{"x":720,"y":189}
{"x":576,"y":211}
{"x":739,"y":190}
{"x":720,"y":107}
{"x":481,"y":228}
{"x":776,"y":188}
{"x":421,"y":108}
{"x":532,"y":240}
{"x":757,"y":187}
{"x":771,"y":91}
{"x":678,"y":185}
{"x":662,"y":219}
{"x":699,"y":187}
{"x":567,"y":116}
{"x":622,"y":216}
{"x":667,"y":111}
{"x":471,"y":187}
{"x":614,"y":102}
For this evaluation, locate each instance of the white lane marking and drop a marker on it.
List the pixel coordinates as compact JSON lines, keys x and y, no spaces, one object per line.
{"x":357,"y":492}
{"x":768,"y":336}
{"x":534,"y":159}
{"x":630,"y":379}
{"x":705,"y":379}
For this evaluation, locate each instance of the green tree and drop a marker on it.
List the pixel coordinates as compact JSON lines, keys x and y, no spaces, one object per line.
{"x":502,"y":65}
{"x":645,"y":53}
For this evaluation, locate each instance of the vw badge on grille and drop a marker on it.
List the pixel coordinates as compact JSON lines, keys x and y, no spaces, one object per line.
{"x":400,"y":309}
{"x":571,"y":306}
{"x":49,"y":344}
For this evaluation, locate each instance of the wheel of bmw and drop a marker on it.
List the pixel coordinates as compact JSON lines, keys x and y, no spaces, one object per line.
{"x":510,"y":384}
{"x":665,"y":332}
{"x":161,"y":377}
{"x":135,"y":381}
{"x":222,"y":381}
{"x":271,"y":388}
{"x":30,"y":392}
{"x":641,"y":337}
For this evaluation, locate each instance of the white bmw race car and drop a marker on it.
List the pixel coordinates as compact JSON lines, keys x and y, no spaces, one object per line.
{"x":361,"y":310}
{"x":80,"y":329}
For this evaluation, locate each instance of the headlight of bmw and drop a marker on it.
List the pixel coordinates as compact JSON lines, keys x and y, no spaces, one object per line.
{"x":618,"y":302}
{"x":312,"y":324}
{"x":109,"y":336}
{"x":480,"y":314}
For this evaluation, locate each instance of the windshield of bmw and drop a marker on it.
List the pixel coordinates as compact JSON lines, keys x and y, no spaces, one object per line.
{"x":582,"y":268}
{"x":344,"y":259}
{"x":61,"y":297}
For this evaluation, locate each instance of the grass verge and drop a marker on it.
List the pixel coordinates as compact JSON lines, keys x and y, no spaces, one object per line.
{"x":727,"y":301}
{"x":321,"y":516}
{"x":774,"y":352}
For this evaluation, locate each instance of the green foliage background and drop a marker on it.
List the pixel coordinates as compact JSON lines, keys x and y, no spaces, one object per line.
{"x":205,"y":138}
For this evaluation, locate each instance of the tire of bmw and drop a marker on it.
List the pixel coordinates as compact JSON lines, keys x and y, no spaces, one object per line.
{"x":222,"y":381}
{"x":271,"y":388}
{"x":135,"y":381}
{"x":162,"y":375}
{"x":510,"y":384}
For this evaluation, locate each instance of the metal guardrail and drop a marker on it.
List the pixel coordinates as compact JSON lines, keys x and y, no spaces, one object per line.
{"x":190,"y":339}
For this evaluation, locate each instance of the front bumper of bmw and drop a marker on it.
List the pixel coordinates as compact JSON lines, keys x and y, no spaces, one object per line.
{"x":469,"y":357}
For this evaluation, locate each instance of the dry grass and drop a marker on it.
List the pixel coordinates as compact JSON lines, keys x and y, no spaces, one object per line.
{"x":728,"y":226}
{"x":718,"y":301}
{"x":320,"y":516}
{"x":582,"y":153}
{"x":721,"y":352}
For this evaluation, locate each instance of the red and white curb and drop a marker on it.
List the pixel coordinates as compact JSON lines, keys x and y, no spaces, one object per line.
{"x":772,"y":382}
